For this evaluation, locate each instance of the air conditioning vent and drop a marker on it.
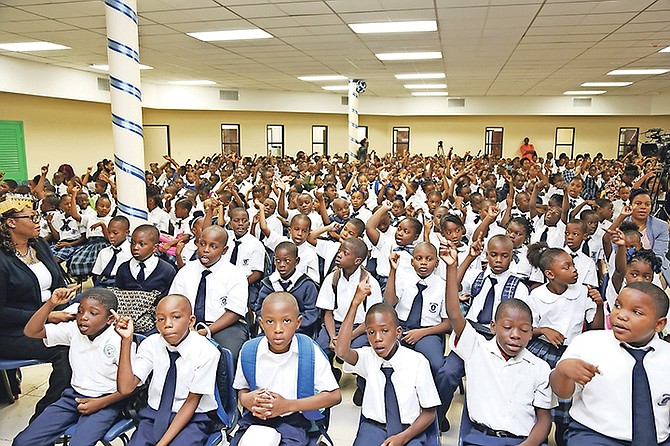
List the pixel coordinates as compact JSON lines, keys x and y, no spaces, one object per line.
{"x":229,"y":95}
{"x":581,"y":102}
{"x":344,"y":100}
{"x":103,"y":84}
{"x":456,"y":102}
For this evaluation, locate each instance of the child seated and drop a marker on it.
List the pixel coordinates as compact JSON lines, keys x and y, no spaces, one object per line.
{"x":64,"y":231}
{"x":271,"y":397}
{"x":184,"y":366}
{"x":622,"y":370}
{"x":110,"y":258}
{"x":400,"y":396}
{"x":82,"y":261}
{"x":92,"y":400}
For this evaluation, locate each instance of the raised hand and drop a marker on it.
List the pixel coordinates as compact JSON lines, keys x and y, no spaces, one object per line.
{"x":123,"y":325}
{"x":62,"y":296}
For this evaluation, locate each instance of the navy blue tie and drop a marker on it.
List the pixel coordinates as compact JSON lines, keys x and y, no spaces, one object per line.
{"x":644,"y":426}
{"x":140,"y":275}
{"x":107,"y":272}
{"x":392,"y":410}
{"x":233,"y":255}
{"x":285,"y":284}
{"x":199,"y":310}
{"x":515,"y":255}
{"x":162,"y":421}
{"x":408,"y":249}
{"x":545,"y":233}
{"x":414,"y":317}
{"x":585,"y":247}
{"x":486,"y":314}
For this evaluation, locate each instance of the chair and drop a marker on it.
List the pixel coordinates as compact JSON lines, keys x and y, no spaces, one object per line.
{"x":118,"y":430}
{"x":11,"y":364}
{"x":226,"y":411}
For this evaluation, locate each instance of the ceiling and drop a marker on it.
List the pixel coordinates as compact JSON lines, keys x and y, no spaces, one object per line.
{"x":490,"y":47}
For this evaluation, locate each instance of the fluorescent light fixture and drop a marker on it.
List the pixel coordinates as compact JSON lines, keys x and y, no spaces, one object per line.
{"x":665,"y":50}
{"x":584,"y":92}
{"x":193,"y":82}
{"x":410,"y":56}
{"x":394,"y":27}
{"x":233,"y":34}
{"x":606,"y":84}
{"x":410,"y":76}
{"x":334,"y":77}
{"x":103,"y":67}
{"x":336,"y":87}
{"x":22,"y":47}
{"x":424,"y":86}
{"x":641,"y":72}
{"x":430,"y":93}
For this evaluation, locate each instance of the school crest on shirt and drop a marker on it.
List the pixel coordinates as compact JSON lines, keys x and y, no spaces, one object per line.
{"x":224,"y":300}
{"x":109,"y":350}
{"x":664,"y":399}
{"x":433,"y":307}
{"x":245,"y":262}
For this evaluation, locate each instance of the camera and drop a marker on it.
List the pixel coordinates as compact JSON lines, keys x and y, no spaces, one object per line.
{"x":658,"y":145}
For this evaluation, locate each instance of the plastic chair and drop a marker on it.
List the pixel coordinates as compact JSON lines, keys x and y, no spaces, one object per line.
{"x":118,"y":430}
{"x":226,"y":411}
{"x":11,"y":364}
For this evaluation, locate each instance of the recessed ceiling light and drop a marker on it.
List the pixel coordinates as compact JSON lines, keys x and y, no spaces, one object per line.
{"x":584,"y":92}
{"x":103,"y":67}
{"x":336,"y":87}
{"x":233,"y":34}
{"x":606,"y":84}
{"x":334,"y":77}
{"x":665,"y":50}
{"x":430,"y":93}
{"x":410,"y":56}
{"x":409,"y":76}
{"x":22,"y":47}
{"x":651,"y":71}
{"x":193,"y":82}
{"x":424,"y":86}
{"x":394,"y":27}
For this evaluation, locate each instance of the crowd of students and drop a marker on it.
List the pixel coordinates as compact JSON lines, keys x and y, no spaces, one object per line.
{"x":546,"y":277}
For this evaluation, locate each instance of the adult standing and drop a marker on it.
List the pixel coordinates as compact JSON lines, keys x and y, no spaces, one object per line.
{"x":362,"y":152}
{"x":527,"y":149}
{"x":28,"y":276}
{"x":654,"y":231}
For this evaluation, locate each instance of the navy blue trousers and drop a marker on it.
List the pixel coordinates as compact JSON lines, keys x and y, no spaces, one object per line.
{"x":293,"y":428}
{"x":372,"y":433}
{"x":324,"y":339}
{"x":62,"y":414}
{"x":431,"y":347}
{"x":193,"y":434}
{"x":578,"y":435}
{"x":447,"y":380}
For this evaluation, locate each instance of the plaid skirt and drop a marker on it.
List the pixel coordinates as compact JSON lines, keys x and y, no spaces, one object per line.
{"x":546,"y":351}
{"x":82,"y":261}
{"x":65,"y":252}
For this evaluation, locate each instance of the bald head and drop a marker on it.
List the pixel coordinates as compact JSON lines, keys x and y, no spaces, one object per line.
{"x":218,"y":232}
{"x":278,"y":299}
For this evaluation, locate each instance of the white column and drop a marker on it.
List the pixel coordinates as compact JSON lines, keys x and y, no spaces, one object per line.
{"x":124,"y":79}
{"x":353,"y":117}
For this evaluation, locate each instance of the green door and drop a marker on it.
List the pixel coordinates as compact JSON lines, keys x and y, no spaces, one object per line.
{"x":13,"y":151}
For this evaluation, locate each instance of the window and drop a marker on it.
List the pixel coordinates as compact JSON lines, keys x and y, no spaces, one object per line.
{"x":362,"y":132}
{"x":401,"y":140}
{"x":565,"y":141}
{"x":320,"y":139}
{"x":275,"y":140}
{"x":230,"y":138}
{"x":628,"y":137}
{"x":493,"y":141}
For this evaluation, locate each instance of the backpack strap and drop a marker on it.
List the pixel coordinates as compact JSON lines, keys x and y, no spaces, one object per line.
{"x":306,"y":373}
{"x":510,"y":288}
{"x":248,"y":361}
{"x":477,"y":285}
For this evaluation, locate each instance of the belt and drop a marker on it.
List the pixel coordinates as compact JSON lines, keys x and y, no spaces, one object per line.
{"x":494,"y":433}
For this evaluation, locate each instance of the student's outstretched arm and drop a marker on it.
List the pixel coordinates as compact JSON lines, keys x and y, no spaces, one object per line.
{"x":533,"y":198}
{"x":565,"y":206}
{"x":35,"y":326}
{"x":540,"y":431}
{"x":491,"y":215}
{"x":314,"y":235}
{"x":449,"y":255}
{"x":343,"y":346}
{"x":390,"y":296}
{"x":569,"y":372}
{"x":126,"y":381}
{"x":421,"y":423}
{"x":371,"y":226}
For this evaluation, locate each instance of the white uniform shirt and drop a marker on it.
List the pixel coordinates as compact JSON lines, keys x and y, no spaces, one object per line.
{"x":226,"y":290}
{"x":94,"y":363}
{"x":346,"y":288}
{"x":88,"y":221}
{"x":522,"y":267}
{"x":412,"y":381}
{"x":586,"y":267}
{"x":503,"y":394}
{"x":605,"y":403}
{"x":433,"y":309}
{"x":160,"y":219}
{"x":150,"y":264}
{"x":66,"y":226}
{"x":309,"y":262}
{"x":565,"y":312}
{"x":105,"y":256}
{"x":362,"y":214}
{"x":250,"y":253}
{"x":555,"y":235}
{"x":386,"y":245}
{"x":196,"y":369}
{"x":327,"y":250}
{"x":478,"y":301}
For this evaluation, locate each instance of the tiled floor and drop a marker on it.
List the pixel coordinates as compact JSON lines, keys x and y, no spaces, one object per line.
{"x":344,"y":421}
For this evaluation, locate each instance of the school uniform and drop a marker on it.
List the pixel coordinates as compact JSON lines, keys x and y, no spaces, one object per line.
{"x":586,"y":267}
{"x":553,"y":235}
{"x":362,"y":213}
{"x":94,"y":368}
{"x":421,"y":304}
{"x":327,"y":250}
{"x":45,"y":232}
{"x":502,"y":392}
{"x":520,"y":266}
{"x":60,"y":189}
{"x":181,"y":225}
{"x":471,"y":223}
{"x":272,"y":222}
{"x":190,"y":251}
{"x":280,"y":375}
{"x":386,"y":245}
{"x":309,"y":262}
{"x":413,"y":389}
{"x":225,"y":289}
{"x":82,"y":260}
{"x":108,"y":261}
{"x":196,"y":366}
{"x":68,"y":231}
{"x":248,"y":254}
{"x":603,"y":409}
{"x":160,"y":220}
{"x":305,"y":291}
{"x":158,"y":275}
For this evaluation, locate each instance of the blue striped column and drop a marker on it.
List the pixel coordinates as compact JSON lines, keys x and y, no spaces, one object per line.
{"x":353,"y":117}
{"x":124,"y":80}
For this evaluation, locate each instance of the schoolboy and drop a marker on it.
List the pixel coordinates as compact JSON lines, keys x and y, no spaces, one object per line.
{"x":48,"y":207}
{"x":91,"y":401}
{"x":327,"y":249}
{"x":286,"y":278}
{"x":274,"y":402}
{"x":64,"y":230}
{"x":400,"y":396}
{"x":110,"y":258}
{"x":508,"y":398}
{"x":575,"y":235}
{"x":549,"y":227}
{"x":622,"y":370}
{"x":593,"y":242}
{"x":145,"y":271}
{"x":217,"y":291}
{"x":418,"y":299}
{"x":184,"y":365}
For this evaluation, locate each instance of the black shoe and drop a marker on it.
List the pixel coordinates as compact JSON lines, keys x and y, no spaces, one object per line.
{"x":358,"y":397}
{"x":444,"y":425}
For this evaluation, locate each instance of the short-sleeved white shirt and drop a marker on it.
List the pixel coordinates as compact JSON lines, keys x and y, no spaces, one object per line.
{"x":433,"y":309}
{"x":346,"y":288}
{"x":250,"y":253}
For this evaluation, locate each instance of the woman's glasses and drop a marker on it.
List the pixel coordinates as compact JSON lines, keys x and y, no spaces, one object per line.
{"x":35,"y":218}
